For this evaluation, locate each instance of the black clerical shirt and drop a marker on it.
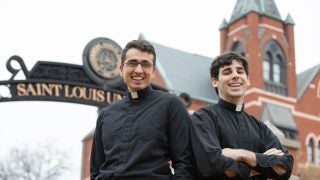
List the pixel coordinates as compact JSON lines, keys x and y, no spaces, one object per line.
{"x":226,"y":125}
{"x":135,"y":138}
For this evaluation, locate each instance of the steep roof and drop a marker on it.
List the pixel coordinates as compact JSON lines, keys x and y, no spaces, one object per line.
{"x":305,"y":78}
{"x":289,"y":20}
{"x":262,"y":7}
{"x":185,"y":72}
{"x":279,"y":116}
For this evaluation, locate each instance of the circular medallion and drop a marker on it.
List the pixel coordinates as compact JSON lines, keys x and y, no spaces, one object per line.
{"x":102,"y":55}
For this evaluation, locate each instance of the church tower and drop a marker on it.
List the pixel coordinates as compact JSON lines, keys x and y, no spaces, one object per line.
{"x":257,"y":31}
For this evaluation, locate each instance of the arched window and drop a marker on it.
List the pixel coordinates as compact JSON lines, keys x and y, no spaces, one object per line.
{"x":310,"y":151}
{"x":277,"y":71}
{"x":274,"y":69}
{"x":238,"y":48}
{"x":266,"y":67}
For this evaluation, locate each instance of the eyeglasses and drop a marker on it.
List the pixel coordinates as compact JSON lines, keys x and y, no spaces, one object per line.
{"x":143,"y":64}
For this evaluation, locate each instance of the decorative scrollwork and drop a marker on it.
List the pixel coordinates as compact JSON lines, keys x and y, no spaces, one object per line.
{"x":14,"y":71}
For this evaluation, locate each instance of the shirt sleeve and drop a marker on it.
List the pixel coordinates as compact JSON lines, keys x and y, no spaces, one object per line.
{"x":97,"y":152}
{"x":207,"y":150}
{"x":266,"y":162}
{"x":179,"y":144}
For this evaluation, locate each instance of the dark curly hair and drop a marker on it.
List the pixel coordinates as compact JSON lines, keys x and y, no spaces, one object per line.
{"x":226,"y":59}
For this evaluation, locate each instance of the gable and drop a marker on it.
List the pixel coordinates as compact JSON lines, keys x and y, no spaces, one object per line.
{"x":279,"y":116}
{"x":185,"y":72}
{"x":305,"y":79}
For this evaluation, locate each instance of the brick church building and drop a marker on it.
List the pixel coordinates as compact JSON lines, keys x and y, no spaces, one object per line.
{"x":287,"y":102}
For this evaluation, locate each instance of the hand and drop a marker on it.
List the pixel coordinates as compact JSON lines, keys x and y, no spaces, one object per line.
{"x":230,"y":174}
{"x":232,"y":153}
{"x":279,"y":169}
{"x":242,"y":155}
{"x":253,"y":173}
{"x":274,"y":151}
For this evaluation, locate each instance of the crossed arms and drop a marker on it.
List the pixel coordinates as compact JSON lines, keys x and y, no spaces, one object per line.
{"x":219,"y":153}
{"x":249,"y":158}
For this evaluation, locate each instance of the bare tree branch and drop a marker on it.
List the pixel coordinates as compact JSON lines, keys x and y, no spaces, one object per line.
{"x":45,"y":162}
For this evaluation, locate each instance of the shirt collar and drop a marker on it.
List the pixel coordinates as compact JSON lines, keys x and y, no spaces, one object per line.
{"x":230,"y":106}
{"x":140,"y":94}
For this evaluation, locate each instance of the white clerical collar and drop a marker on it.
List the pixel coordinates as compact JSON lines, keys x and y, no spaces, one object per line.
{"x":239,"y":107}
{"x":134,"y":95}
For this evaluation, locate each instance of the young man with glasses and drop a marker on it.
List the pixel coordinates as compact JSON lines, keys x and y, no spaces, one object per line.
{"x":227,"y":142}
{"x":137,"y":136}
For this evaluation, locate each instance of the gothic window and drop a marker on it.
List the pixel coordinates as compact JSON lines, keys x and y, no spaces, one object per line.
{"x":310,"y":151}
{"x":274,"y":69}
{"x":266,"y":67}
{"x":237,"y":47}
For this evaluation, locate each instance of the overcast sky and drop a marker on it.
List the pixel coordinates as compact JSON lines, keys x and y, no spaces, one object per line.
{"x":58,"y":30}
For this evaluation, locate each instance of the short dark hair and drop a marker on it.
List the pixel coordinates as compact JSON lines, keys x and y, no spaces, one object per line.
{"x":142,"y":45}
{"x":224,"y":60}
